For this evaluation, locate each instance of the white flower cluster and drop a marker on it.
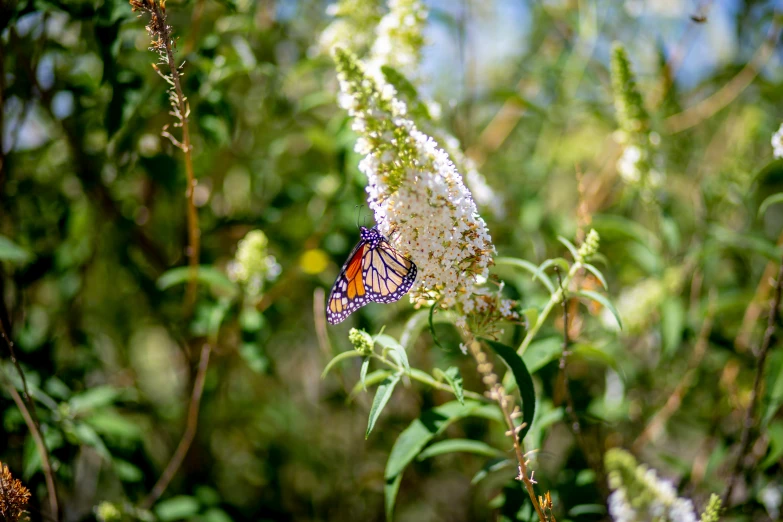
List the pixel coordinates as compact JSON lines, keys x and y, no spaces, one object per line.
{"x":351,"y":27}
{"x":253,"y":265}
{"x":415,"y":191}
{"x":777,"y":142}
{"x":654,"y":498}
{"x":399,"y":37}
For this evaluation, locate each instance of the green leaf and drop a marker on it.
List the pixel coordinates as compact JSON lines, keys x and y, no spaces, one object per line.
{"x":489,"y":467}
{"x":372,"y":379}
{"x":775,"y":434}
{"x":454,"y":378}
{"x":126,"y":471}
{"x":363,"y":372}
{"x":394,"y":349}
{"x":603,"y":301}
{"x":177,"y":508}
{"x":419,"y":433}
{"x":597,"y":273}
{"x":612,"y":227}
{"x":216,"y":316}
{"x":206,"y":274}
{"x":432,"y":327}
{"x":773,"y":396}
{"x":523,"y":379}
{"x":542,"y":352}
{"x":745,"y":243}
{"x":570,"y":246}
{"x":558,"y":261}
{"x":84,"y":434}
{"x":771,"y":200}
{"x":672,"y":324}
{"x":382,"y":395}
{"x":339,"y":358}
{"x":525,"y":265}
{"x":531,"y":317}
{"x":460,"y":445}
{"x":109,"y":423}
{"x":13,"y":253}
{"x":93,"y":399}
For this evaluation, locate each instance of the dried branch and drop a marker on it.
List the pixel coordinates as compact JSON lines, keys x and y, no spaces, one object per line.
{"x":510,"y":411}
{"x":163,"y":44}
{"x":187,"y":436}
{"x":755,"y":392}
{"x":31,"y":419}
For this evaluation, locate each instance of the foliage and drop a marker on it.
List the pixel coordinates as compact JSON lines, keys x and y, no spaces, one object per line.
{"x":589,"y":192}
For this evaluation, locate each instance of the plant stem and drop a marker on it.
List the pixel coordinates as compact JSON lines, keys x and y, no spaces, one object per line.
{"x":183,"y":112}
{"x":554,"y":300}
{"x":187,"y":436}
{"x":429,"y":381}
{"x":498,"y":393}
{"x":755,"y":392}
{"x":31,"y":419}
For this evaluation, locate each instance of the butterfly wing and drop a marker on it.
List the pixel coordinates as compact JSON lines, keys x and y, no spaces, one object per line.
{"x":388,"y":275}
{"x":349,"y":292}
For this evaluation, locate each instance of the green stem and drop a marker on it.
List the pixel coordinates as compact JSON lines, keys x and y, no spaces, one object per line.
{"x":424,"y":378}
{"x":554,"y":300}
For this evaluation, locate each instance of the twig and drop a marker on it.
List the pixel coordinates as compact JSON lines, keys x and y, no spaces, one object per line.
{"x":754,"y":394}
{"x":31,"y":419}
{"x":187,"y":436}
{"x":164,"y":44}
{"x":707,"y":108}
{"x":39,"y":444}
{"x":497,"y":393}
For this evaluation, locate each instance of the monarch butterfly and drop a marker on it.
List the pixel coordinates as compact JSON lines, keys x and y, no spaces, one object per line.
{"x":375,"y":271}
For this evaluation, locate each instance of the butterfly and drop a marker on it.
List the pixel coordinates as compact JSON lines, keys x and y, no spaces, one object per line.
{"x":375,"y":271}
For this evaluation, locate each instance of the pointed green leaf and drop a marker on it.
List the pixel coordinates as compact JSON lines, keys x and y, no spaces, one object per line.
{"x":394,"y":349}
{"x":570,"y":246}
{"x":209,"y":275}
{"x":541,"y":272}
{"x":672,"y":324}
{"x":597,"y":273}
{"x":454,"y":378}
{"x":371,"y":379}
{"x":603,"y":301}
{"x":94,"y":398}
{"x":382,"y":396}
{"x":462,"y":446}
{"x":489,"y":467}
{"x":363,"y":373}
{"x":523,"y":379}
{"x":542,"y":352}
{"x":771,"y":200}
{"x":177,"y":508}
{"x":339,"y":358}
{"x":390,"y":490}
{"x":525,"y":265}
{"x":13,"y":253}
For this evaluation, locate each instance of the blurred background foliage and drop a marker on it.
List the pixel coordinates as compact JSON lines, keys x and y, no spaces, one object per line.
{"x":92,"y":214}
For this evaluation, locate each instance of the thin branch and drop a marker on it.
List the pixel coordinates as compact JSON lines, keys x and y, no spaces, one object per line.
{"x":498,"y":393}
{"x":164,"y":44}
{"x":31,"y":419}
{"x":755,"y":392}
{"x":709,"y":107}
{"x":39,"y":444}
{"x":187,"y":436}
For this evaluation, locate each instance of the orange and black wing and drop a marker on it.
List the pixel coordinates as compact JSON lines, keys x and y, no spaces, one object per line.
{"x":349,"y":292}
{"x":388,"y":275}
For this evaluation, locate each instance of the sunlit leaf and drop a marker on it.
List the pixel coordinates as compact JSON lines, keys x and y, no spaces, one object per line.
{"x":769,"y":201}
{"x":454,"y":378}
{"x":394,"y":349}
{"x":603,"y":301}
{"x":528,"y":266}
{"x":459,"y":446}
{"x":597,"y":273}
{"x":13,"y":253}
{"x":382,"y":396}
{"x":177,"y":508}
{"x":363,"y":372}
{"x":672,"y":324}
{"x":570,"y":246}
{"x":339,"y":358}
{"x":205,"y":274}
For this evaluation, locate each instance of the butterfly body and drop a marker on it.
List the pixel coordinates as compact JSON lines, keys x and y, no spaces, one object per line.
{"x":375,"y":271}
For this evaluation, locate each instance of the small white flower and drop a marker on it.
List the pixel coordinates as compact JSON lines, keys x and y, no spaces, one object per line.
{"x":777,"y":143}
